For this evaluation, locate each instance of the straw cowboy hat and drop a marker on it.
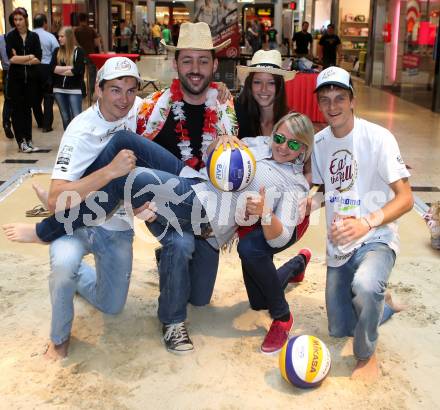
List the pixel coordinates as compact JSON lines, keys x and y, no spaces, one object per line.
{"x":265,"y":62}
{"x":195,"y":36}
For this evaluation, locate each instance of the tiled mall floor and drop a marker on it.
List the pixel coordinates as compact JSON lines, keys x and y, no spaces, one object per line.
{"x":417,"y":130}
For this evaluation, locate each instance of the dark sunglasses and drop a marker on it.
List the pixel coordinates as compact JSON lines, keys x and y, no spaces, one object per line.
{"x":294,"y":145}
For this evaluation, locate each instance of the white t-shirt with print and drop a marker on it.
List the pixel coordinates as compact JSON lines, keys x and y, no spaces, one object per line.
{"x":356,"y":171}
{"x":84,"y":139}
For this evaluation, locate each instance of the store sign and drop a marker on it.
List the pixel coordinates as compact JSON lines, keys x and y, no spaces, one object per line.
{"x":410,"y":61}
{"x":265,"y":12}
{"x":222,"y":18}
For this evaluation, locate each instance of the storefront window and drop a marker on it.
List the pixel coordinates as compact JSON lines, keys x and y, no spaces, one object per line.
{"x":65,"y":13}
{"x":416,"y":63}
{"x":171,"y":13}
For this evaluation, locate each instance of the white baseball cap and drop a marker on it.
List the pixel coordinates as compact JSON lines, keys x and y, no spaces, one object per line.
{"x":334,"y":76}
{"x":116,"y":67}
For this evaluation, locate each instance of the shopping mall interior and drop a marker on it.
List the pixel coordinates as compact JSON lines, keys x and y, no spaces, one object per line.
{"x":391,"y":49}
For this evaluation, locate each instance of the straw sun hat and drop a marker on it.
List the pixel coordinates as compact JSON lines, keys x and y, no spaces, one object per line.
{"x":195,"y":36}
{"x":265,"y":62}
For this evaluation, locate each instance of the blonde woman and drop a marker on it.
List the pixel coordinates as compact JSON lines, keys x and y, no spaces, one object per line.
{"x":68,"y":75}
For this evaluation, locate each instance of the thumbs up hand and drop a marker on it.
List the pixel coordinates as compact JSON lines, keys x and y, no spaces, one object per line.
{"x":255,"y":203}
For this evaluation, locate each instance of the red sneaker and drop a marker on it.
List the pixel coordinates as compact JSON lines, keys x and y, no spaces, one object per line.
{"x":307,"y":253}
{"x":277,"y":336}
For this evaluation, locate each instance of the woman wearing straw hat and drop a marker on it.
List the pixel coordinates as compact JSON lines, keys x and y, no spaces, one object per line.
{"x":261,"y":104}
{"x":263,"y":100}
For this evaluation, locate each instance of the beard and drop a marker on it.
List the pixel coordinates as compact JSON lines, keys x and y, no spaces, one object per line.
{"x":190,"y":89}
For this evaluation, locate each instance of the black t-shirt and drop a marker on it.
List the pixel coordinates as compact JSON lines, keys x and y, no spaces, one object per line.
{"x":244,"y":129}
{"x":168,"y":139}
{"x":329,"y":44}
{"x":272,"y":34}
{"x":302,"y":41}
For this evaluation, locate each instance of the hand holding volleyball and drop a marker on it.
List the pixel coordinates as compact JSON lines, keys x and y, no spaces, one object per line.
{"x":231,"y":169}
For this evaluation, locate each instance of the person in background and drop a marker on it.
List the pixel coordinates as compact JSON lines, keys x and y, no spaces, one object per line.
{"x":67,"y":66}
{"x":24,"y":52}
{"x":156,"y":34}
{"x":145,"y":41}
{"x":262,"y":35}
{"x":252,"y":36}
{"x":7,"y":105}
{"x":303,"y":42}
{"x":329,"y":47}
{"x":272,"y":34}
{"x":175,"y":32}
{"x":166,"y":36}
{"x":87,"y":38}
{"x":122,"y":37}
{"x":99,"y":44}
{"x":48,"y":45}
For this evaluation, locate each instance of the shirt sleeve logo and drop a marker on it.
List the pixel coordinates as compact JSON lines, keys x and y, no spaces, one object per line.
{"x":64,"y":157}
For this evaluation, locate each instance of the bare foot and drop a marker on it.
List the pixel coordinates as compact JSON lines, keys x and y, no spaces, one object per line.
{"x":57,"y":352}
{"x":366,"y":370}
{"x":20,"y":232}
{"x":42,"y":194}
{"x":397,"y":307}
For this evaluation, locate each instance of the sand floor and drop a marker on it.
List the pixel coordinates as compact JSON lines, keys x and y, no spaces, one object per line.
{"x":118,"y":362}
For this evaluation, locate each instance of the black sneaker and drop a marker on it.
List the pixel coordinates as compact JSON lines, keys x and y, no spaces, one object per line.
{"x":176,"y":339}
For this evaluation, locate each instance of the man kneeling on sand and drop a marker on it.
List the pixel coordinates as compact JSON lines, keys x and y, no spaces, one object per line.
{"x":87,"y":135}
{"x":367,"y":190}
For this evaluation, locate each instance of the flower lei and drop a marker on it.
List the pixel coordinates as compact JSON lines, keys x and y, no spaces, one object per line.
{"x":210,"y":118}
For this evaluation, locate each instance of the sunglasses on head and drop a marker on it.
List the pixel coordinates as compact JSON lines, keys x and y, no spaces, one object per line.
{"x":294,"y":145}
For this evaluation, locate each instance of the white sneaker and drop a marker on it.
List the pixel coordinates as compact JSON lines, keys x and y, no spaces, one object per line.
{"x":33,"y":147}
{"x":24,"y":147}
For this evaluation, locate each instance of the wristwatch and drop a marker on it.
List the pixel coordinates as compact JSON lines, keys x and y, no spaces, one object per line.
{"x":266,"y":219}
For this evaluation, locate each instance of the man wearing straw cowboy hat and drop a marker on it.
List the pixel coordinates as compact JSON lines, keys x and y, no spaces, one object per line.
{"x":184,"y":119}
{"x":188,"y":265}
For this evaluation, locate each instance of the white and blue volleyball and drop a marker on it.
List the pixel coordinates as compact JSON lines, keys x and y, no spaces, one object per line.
{"x":231,"y":170}
{"x":305,"y":361}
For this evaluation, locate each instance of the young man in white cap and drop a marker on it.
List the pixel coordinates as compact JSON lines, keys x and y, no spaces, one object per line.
{"x":366,"y":190}
{"x":85,"y":138}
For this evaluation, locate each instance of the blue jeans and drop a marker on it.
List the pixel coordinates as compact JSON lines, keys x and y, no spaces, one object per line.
{"x":355,"y":296}
{"x":106,"y":288}
{"x":70,"y":106}
{"x":187,"y":273}
{"x":264,"y":284}
{"x":150,"y":155}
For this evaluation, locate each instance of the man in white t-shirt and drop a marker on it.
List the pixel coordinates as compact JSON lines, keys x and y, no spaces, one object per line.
{"x":110,"y":242}
{"x":366,"y":190}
